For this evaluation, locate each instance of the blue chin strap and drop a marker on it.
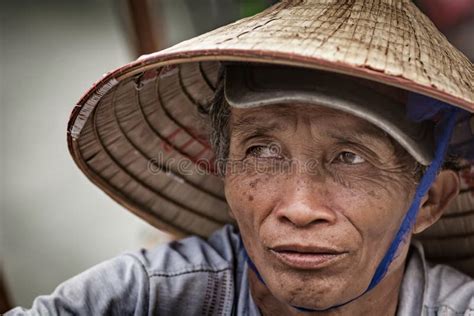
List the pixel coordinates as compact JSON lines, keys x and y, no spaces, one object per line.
{"x":445,"y":129}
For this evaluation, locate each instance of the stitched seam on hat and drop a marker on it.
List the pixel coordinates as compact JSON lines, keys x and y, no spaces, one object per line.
{"x":168,"y":275}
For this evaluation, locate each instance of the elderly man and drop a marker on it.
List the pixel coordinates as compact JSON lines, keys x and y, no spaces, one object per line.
{"x":319,"y":177}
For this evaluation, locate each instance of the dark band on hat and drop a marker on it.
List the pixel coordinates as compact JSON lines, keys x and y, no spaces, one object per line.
{"x":259,"y":85}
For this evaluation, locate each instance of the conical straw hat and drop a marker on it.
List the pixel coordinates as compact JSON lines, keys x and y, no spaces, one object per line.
{"x":138,"y":133}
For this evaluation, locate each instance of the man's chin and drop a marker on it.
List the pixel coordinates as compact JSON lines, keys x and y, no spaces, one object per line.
{"x":313,"y":293}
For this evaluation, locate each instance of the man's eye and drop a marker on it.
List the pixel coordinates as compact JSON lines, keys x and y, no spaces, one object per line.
{"x":261,"y":151}
{"x":350,"y":158}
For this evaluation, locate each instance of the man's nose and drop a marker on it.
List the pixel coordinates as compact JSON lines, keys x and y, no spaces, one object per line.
{"x":306,"y":204}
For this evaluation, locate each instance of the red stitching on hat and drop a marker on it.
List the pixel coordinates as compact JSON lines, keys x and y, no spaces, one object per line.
{"x":166,"y":146}
{"x":173,"y":134}
{"x":189,"y":142}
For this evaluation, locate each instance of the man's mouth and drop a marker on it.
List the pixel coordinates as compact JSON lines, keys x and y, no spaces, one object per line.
{"x":306,"y":257}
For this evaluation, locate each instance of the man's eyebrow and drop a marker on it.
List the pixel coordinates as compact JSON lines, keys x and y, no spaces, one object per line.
{"x":254,"y":125}
{"x":362,"y":135}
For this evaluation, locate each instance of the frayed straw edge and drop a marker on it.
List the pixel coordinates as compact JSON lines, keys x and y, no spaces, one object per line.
{"x":89,"y":106}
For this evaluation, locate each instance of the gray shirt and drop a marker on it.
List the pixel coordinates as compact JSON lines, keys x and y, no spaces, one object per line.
{"x":198,"y":277}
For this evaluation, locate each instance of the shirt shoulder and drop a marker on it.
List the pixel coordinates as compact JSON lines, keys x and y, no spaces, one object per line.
{"x":448,"y":291}
{"x":112,"y":287}
{"x":192,"y":254}
{"x":443,"y":290}
{"x":192,"y":276}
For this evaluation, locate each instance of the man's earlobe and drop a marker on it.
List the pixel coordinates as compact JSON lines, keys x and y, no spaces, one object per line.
{"x":231,"y":214}
{"x":441,"y":193}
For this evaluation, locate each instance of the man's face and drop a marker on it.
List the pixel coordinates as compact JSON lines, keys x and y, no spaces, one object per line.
{"x":318,"y":195}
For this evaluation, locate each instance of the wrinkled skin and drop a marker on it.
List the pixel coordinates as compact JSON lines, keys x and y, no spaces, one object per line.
{"x":308,"y":176}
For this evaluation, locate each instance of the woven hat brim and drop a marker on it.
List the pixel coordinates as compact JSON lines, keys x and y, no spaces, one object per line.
{"x":141,"y":142}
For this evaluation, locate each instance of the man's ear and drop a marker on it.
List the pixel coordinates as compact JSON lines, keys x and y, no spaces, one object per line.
{"x":442,"y":192}
{"x":231,"y":214}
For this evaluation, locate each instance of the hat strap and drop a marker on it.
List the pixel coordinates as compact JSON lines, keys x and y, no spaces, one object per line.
{"x":446,"y":126}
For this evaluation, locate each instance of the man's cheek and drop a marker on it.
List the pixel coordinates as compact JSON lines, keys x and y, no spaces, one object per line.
{"x":367,"y":207}
{"x":250,"y":197}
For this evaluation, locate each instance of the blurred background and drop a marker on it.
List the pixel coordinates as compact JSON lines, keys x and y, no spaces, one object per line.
{"x":53,"y":222}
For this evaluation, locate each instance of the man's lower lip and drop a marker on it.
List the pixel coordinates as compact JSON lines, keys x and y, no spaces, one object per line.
{"x":307,"y":260}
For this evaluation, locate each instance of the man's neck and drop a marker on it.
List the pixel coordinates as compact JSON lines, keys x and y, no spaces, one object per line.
{"x":382,"y":300}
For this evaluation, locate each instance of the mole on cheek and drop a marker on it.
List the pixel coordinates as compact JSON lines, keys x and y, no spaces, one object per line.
{"x":254,"y":183}
{"x":250,"y":197}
